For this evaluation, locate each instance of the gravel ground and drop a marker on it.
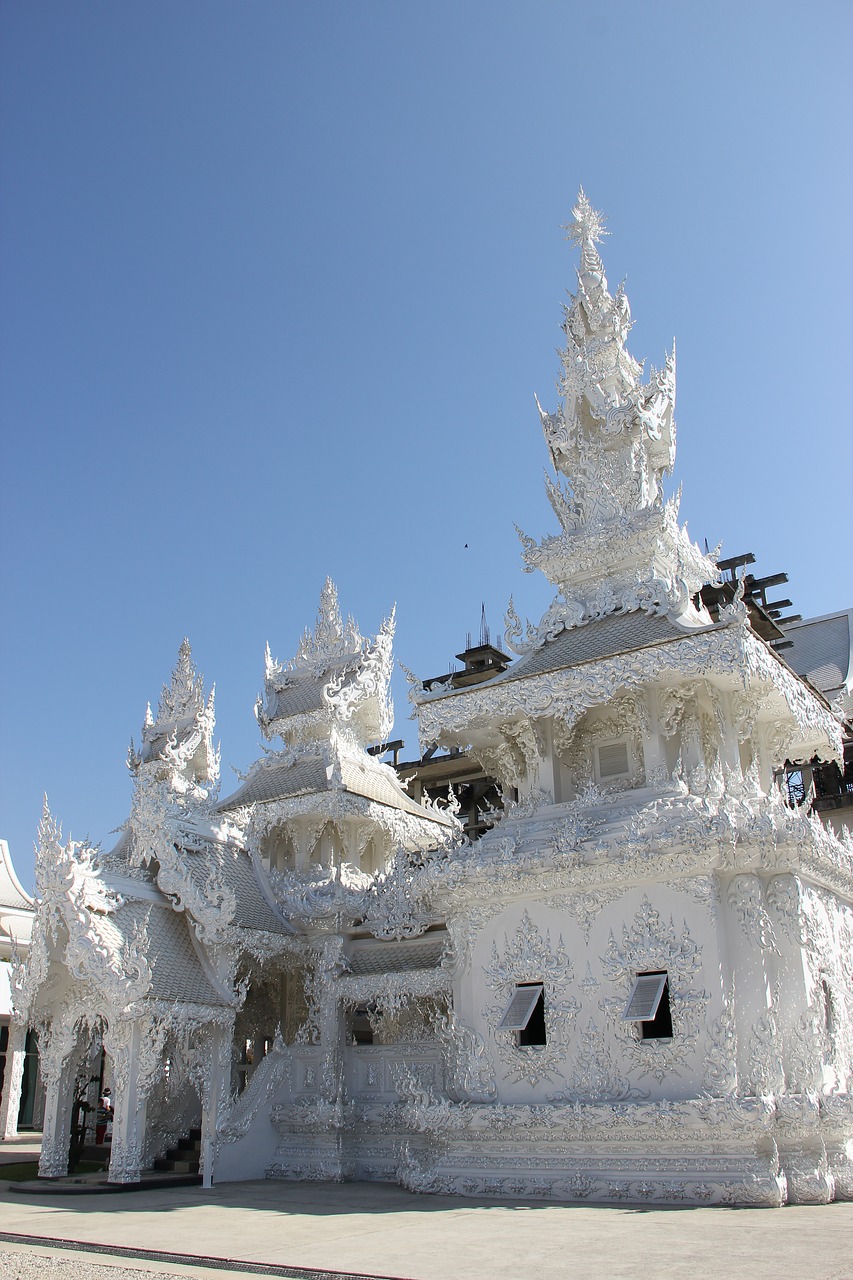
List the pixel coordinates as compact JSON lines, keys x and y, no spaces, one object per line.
{"x":38,"y":1266}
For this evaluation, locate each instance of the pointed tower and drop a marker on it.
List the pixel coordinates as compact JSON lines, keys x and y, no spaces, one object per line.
{"x":649,"y":890}
{"x":326,"y":814}
{"x":177,"y":747}
{"x":611,"y":442}
{"x":627,"y":623}
{"x":336,"y":685}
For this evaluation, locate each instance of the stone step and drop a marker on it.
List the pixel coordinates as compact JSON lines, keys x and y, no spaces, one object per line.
{"x":183,"y":1158}
{"x":164,"y":1164}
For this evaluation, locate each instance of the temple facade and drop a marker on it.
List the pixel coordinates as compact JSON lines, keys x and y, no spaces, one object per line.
{"x":631,"y":980}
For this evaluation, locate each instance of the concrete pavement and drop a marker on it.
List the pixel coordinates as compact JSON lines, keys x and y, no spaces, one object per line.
{"x":382,"y":1230}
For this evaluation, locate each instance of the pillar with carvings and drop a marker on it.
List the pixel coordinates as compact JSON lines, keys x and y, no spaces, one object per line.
{"x":214,"y":1093}
{"x":654,"y":753}
{"x":135,"y":1049}
{"x":752,"y":942}
{"x":801,"y":1015}
{"x":329,"y":954}
{"x":57,"y":1045}
{"x":10,"y":1104}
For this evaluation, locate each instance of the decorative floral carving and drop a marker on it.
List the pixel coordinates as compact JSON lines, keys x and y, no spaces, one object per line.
{"x":721,"y":1051}
{"x":469,"y":1069}
{"x":649,"y":945}
{"x":585,"y":907}
{"x":594,"y":1075}
{"x":746,"y":898}
{"x":530,"y":957}
{"x":764,"y":1073}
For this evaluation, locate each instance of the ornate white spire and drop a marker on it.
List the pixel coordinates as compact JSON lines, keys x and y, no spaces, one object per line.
{"x":184,"y":695}
{"x":587,"y":230}
{"x":330,"y":640}
{"x":48,"y":850}
{"x":350,"y":674}
{"x":611,"y":443}
{"x":178,"y":746}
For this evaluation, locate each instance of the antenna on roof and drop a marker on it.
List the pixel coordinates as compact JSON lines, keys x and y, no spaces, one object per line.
{"x":485,"y":638}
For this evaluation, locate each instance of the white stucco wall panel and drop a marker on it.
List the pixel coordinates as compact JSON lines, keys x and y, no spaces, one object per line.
{"x":586,"y":949}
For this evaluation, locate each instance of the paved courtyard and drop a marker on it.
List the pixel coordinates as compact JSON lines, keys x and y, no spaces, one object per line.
{"x":379,"y":1230}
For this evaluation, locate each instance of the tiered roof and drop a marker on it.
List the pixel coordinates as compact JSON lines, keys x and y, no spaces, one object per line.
{"x":628,"y":610}
{"x":327,"y":704}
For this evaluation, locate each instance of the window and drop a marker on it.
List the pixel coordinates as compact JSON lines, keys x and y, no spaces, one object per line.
{"x":525,"y":1014}
{"x":360,"y":1029}
{"x":649,"y":1005}
{"x":613,"y":760}
{"x":796,"y":785}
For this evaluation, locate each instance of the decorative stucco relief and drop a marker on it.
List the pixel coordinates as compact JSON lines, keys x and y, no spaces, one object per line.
{"x":529,"y":956}
{"x":647,"y":945}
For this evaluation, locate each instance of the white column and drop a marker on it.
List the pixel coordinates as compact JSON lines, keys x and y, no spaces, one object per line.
{"x":800,"y":1013}
{"x":654,"y":752}
{"x":729,"y":744}
{"x":129,"y":1046}
{"x":214,"y":1096}
{"x":549,"y":765}
{"x":13,"y":1079}
{"x":56,"y":1048}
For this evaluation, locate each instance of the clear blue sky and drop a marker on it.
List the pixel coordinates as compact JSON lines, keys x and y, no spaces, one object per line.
{"x":279,"y":281}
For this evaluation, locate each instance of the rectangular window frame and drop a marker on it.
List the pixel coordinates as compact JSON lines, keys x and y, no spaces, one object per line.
{"x":627,"y":772}
{"x":646,"y":994}
{"x":519,"y":1010}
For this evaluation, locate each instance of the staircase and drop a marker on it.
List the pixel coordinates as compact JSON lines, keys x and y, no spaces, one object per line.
{"x":184,"y":1158}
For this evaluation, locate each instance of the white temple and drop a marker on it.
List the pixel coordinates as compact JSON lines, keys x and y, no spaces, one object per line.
{"x":637,"y":986}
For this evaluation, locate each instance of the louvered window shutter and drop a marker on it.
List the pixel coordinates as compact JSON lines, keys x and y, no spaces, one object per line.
{"x":645,"y":997}
{"x":613,"y":760}
{"x":520,"y":1007}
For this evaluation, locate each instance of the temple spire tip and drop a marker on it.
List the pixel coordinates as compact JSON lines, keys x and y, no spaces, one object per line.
{"x":587,"y":225}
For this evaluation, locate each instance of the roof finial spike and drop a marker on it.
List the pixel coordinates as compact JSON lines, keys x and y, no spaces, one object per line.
{"x":329,"y":628}
{"x":49,"y":840}
{"x":184,"y":695}
{"x":389,"y":625}
{"x":587,"y":226}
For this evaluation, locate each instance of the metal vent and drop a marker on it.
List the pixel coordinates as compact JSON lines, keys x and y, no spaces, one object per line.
{"x":613,"y":760}
{"x":521,"y":1006}
{"x":645,"y":997}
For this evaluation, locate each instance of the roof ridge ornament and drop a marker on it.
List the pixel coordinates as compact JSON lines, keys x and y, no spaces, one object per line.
{"x":337,"y":677}
{"x":331,"y":639}
{"x":184,"y":695}
{"x":586,"y":230}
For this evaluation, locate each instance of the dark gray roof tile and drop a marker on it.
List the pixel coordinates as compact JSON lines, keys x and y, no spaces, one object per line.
{"x":602,"y":638}
{"x":821,"y":651}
